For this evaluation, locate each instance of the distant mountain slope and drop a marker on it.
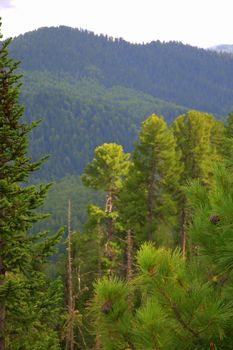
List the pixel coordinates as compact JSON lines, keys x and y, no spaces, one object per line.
{"x":78,"y":115}
{"x":191,"y":77}
{"x":222,"y":48}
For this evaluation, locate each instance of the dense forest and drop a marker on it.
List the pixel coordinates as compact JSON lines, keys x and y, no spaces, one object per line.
{"x":77,"y":116}
{"x":149,"y":264}
{"x":91,"y":89}
{"x":171,"y":71}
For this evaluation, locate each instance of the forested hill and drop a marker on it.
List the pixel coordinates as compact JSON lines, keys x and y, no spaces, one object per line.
{"x":78,"y":115}
{"x":89,"y":89}
{"x":174,"y":72}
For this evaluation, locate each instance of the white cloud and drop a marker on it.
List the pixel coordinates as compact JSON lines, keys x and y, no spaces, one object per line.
{"x":4,"y":4}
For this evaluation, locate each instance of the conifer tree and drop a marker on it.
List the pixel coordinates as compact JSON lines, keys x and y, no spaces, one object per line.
{"x":70,"y":292}
{"x":178,"y":304}
{"x":148,"y":194}
{"x":27,"y":301}
{"x":106,"y":172}
{"x":228,"y":144}
{"x":199,"y":139}
{"x":175,"y":306}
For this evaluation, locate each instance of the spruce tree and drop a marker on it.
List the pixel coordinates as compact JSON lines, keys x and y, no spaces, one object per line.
{"x":27,"y":301}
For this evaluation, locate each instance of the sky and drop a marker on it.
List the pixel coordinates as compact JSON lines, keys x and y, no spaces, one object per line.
{"x":201,"y":23}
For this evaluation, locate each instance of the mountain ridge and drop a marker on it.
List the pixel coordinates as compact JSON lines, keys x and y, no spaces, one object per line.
{"x":174,"y":72}
{"x":90,"y":89}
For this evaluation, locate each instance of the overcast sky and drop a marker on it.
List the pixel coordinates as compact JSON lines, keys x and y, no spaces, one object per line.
{"x":202,"y":23}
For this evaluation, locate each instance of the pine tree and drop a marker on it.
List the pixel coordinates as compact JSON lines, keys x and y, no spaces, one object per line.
{"x":199,"y":139}
{"x":27,"y":301}
{"x":106,"y":172}
{"x":175,"y":307}
{"x":178,"y":303}
{"x":228,"y":142}
{"x":70,"y":292}
{"x":148,"y":195}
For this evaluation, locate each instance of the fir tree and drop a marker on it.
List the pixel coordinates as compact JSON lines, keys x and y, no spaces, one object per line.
{"x":27,"y":301}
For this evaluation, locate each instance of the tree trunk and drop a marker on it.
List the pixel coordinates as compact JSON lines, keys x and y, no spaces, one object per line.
{"x":2,"y":316}
{"x":129,"y":271}
{"x":97,"y":342}
{"x":71,"y":301}
{"x":109,"y":252}
{"x":108,"y":209}
{"x":2,"y":304}
{"x":129,"y":268}
{"x":99,"y":250}
{"x":150,"y":204}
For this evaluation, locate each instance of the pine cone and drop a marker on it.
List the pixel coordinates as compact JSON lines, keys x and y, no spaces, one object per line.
{"x":214,"y":219}
{"x":106,"y":307}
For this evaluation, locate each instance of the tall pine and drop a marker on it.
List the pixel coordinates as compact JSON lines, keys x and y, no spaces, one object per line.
{"x":148,"y":197}
{"x":199,"y":139}
{"x":107,"y":172}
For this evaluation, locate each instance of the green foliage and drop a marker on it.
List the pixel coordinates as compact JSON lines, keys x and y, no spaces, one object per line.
{"x":212,"y":223}
{"x":185,"y":75}
{"x":107,"y":172}
{"x":31,"y":313}
{"x":177,"y":303}
{"x":150,"y":323}
{"x":199,"y":140}
{"x":171,"y":303}
{"x":150,"y":187}
{"x":227,"y":150}
{"x":107,"y":169}
{"x":103,"y":89}
{"x":176,"y":307}
{"x":29,"y":303}
{"x":158,"y":262}
{"x":111,"y":312}
{"x":79,"y":115}
{"x":68,"y":188}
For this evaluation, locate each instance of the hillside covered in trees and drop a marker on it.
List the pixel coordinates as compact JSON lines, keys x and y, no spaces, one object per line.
{"x":174,"y":72}
{"x":90,"y":89}
{"x":78,"y":115}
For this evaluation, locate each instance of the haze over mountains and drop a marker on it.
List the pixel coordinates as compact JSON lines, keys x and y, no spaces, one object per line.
{"x":223,"y":48}
{"x":91,"y":89}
